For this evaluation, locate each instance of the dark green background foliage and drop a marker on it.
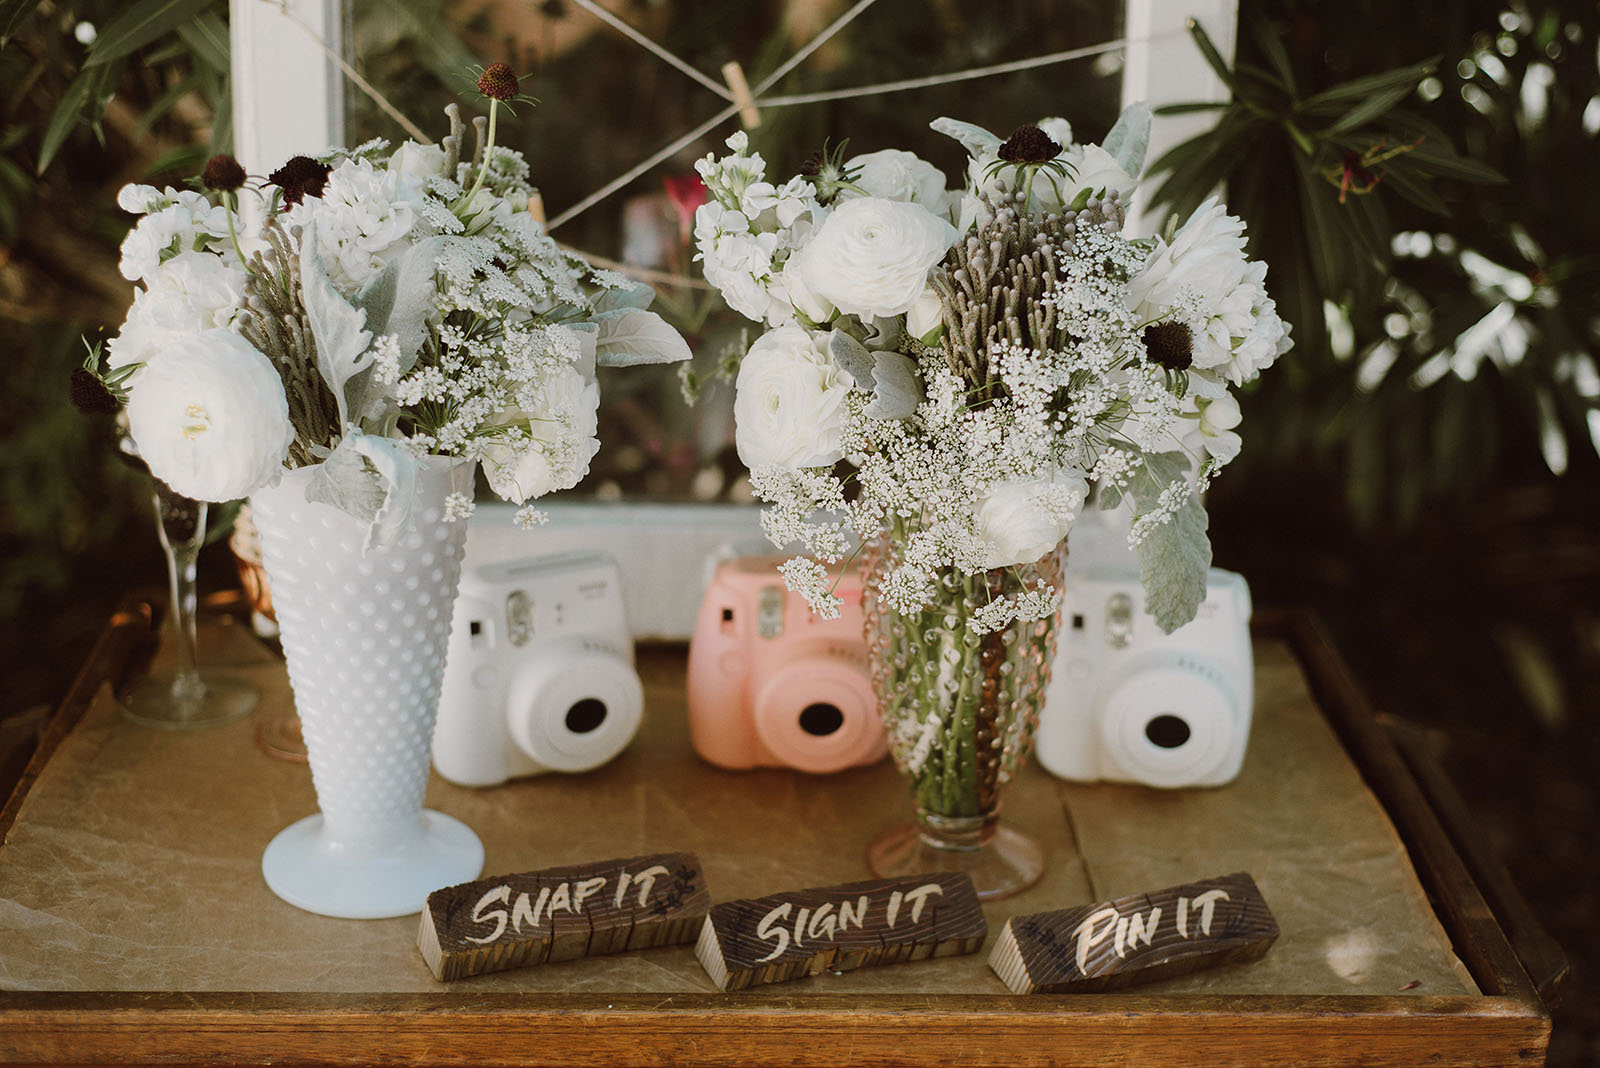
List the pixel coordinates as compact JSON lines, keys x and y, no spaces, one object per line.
{"x":1421,"y":469}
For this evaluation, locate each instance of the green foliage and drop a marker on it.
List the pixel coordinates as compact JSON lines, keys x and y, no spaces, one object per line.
{"x":1441,"y":323}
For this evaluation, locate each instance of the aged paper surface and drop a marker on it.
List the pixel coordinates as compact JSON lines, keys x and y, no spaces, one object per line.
{"x":135,"y":863}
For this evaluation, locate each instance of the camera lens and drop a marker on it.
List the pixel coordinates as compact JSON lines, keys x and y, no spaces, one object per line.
{"x":585,"y":715}
{"x":821,"y":719}
{"x":1167,"y":731}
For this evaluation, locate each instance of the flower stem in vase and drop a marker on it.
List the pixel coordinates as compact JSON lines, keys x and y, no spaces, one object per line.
{"x":185,"y":695}
{"x":960,"y":700}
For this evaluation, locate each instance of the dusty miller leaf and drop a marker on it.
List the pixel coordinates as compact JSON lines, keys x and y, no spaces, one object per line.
{"x":372,"y":479}
{"x":400,"y":299}
{"x":853,"y":356}
{"x":634,"y":336}
{"x":1129,"y":139}
{"x":637,"y":296}
{"x":896,"y":392}
{"x":975,"y":139}
{"x":1174,"y":559}
{"x":342,"y":345}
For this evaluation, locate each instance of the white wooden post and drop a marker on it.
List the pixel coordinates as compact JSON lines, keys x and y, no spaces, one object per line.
{"x":1163,"y":66}
{"x":288,"y":96}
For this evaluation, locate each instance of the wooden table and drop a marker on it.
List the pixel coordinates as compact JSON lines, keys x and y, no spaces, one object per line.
{"x":135,"y":929}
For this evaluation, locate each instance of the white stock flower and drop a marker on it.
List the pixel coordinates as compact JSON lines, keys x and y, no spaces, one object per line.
{"x":871,"y":256}
{"x":1216,"y":414}
{"x":1023,"y":519}
{"x":789,"y":407}
{"x":561,"y":431}
{"x":894,"y":174}
{"x":1202,"y":279}
{"x":192,"y":292}
{"x":210,"y":417}
{"x":177,"y":222}
{"x":362,"y":220}
{"x":799,"y":297}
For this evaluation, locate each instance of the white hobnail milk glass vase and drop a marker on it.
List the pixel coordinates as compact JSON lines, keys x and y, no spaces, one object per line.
{"x":365,"y":636}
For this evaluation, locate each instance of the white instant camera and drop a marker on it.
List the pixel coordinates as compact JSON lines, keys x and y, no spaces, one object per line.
{"x":540,"y":671}
{"x":1130,"y":704}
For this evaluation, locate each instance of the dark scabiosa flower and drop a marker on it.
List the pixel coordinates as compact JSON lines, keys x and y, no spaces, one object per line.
{"x":222,"y":173}
{"x":1029,"y":144}
{"x":299,"y":178}
{"x":91,"y":395}
{"x":498,"y":82}
{"x":1170,"y":344}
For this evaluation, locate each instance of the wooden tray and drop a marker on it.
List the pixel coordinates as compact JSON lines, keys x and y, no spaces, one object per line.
{"x":1503,"y":1023}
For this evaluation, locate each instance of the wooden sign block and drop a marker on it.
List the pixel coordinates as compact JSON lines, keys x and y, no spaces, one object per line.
{"x":1135,"y":939}
{"x":584,"y":910}
{"x":857,"y":925}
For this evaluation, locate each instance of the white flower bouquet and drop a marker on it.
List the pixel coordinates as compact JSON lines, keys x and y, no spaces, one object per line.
{"x":947,"y":376}
{"x":956,"y":370}
{"x":391,"y":305}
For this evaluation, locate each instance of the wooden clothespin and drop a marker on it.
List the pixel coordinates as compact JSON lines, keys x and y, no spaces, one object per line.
{"x":536,"y":207}
{"x":749,"y":114}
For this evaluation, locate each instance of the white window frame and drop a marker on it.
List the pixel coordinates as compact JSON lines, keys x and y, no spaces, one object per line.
{"x":288,"y":99}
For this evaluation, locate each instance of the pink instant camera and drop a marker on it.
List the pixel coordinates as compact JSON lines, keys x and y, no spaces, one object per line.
{"x":772,"y":684}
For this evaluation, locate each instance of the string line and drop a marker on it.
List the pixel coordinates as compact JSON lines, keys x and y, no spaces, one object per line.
{"x":350,"y":72}
{"x":671,"y":150}
{"x":654,"y":49}
{"x":816,"y":42}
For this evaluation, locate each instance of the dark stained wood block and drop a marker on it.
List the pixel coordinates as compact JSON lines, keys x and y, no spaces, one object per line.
{"x":856,"y":925}
{"x":1135,"y":939}
{"x":583,"y":910}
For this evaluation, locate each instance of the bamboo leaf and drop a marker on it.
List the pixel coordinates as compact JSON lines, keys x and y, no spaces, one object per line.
{"x":1326,"y":241}
{"x":1191,"y":108}
{"x":140,"y":24}
{"x":1361,"y":88}
{"x":1416,"y":190}
{"x":1370,"y":108}
{"x":1212,"y":56}
{"x":1273,"y":49}
{"x":65,"y":118}
{"x":12,"y":12}
{"x":164,"y":103}
{"x":207,"y":38}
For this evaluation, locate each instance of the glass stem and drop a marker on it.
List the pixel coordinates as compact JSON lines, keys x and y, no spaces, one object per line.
{"x":181,"y":524}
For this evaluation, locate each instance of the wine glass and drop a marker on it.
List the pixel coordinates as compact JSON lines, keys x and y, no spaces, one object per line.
{"x":187,"y":695}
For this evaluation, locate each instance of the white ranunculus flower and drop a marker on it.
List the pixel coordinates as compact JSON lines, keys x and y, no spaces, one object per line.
{"x":362,"y":219}
{"x":192,"y":292}
{"x":1022,"y":520}
{"x":894,"y":174}
{"x":210,"y":417}
{"x":789,"y":402}
{"x":417,"y":161}
{"x":925,"y":318}
{"x":177,"y":222}
{"x":562,"y":434}
{"x":872,"y":256}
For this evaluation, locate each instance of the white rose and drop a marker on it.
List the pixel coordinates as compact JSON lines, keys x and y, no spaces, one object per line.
{"x":925,"y":320}
{"x":192,"y":292}
{"x":894,"y":174}
{"x":789,"y":402}
{"x":1022,"y":520}
{"x":561,"y":428}
{"x":417,"y":161}
{"x":800,"y":296}
{"x":210,"y":417}
{"x":871,"y":256}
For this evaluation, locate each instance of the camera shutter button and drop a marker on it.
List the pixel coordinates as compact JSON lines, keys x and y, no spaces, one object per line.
{"x":485,"y":677}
